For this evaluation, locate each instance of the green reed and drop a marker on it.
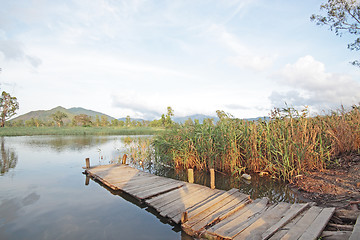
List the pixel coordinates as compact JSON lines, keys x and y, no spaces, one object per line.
{"x":289,"y":144}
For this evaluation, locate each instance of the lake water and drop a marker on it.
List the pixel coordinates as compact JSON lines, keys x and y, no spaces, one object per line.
{"x":43,"y":193}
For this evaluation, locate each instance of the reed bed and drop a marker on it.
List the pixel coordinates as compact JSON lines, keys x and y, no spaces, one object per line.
{"x":287,"y":145}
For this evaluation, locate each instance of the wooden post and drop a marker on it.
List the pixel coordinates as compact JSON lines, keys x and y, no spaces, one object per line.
{"x":212,"y":178}
{"x":87,"y":180}
{"x":87,"y":161}
{"x":191,"y":175}
{"x":124,"y":159}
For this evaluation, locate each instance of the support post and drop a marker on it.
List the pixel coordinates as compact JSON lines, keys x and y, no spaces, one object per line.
{"x":124,"y":159}
{"x":212,"y":178}
{"x":191,"y":175}
{"x":87,"y":180}
{"x":87,"y":162}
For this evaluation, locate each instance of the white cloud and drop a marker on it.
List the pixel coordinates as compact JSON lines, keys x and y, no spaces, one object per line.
{"x":243,"y":56}
{"x":311,"y":84}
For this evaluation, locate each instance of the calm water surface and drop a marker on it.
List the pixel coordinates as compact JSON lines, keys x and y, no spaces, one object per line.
{"x":43,"y":193}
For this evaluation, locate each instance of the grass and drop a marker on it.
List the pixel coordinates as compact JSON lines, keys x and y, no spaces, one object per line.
{"x":291,"y":143}
{"x":29,"y":131}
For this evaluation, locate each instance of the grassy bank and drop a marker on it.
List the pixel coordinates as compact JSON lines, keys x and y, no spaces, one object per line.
{"x":291,"y":143}
{"x":29,"y":131}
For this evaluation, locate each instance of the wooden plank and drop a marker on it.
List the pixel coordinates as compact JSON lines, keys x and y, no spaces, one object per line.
{"x":211,"y":204}
{"x":300,"y":227}
{"x":177,"y":217}
{"x":100,"y":167}
{"x":270,"y":217}
{"x":120,"y":176}
{"x":145,"y":184}
{"x":158,"y":190}
{"x":167,"y":208}
{"x":115,"y":173}
{"x":236,"y":214}
{"x":201,"y":213}
{"x":190,"y":202}
{"x":167,"y":198}
{"x":335,"y":235}
{"x":294,"y":210}
{"x":233,"y":224}
{"x":178,"y":209}
{"x":223,"y":212}
{"x":282,"y":231}
{"x":137,"y":180}
{"x":250,"y":221}
{"x":316,"y":227}
{"x":355,"y":235}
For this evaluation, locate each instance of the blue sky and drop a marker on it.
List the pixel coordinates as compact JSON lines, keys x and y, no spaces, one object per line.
{"x":138,"y":57}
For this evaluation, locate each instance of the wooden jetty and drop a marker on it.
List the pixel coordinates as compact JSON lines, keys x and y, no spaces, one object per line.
{"x":213,"y":213}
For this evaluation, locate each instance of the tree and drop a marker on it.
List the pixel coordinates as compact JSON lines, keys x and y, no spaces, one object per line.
{"x":82,"y":119}
{"x":170,"y":113}
{"x":8,"y":107}
{"x":127,"y":121}
{"x":342,"y":16}
{"x":58,"y":117}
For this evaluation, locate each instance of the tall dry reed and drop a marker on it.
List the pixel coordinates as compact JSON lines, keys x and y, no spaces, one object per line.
{"x":289,"y":144}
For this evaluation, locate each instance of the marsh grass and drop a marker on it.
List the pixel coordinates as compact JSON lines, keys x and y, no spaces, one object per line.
{"x":30,"y":131}
{"x":289,"y":144}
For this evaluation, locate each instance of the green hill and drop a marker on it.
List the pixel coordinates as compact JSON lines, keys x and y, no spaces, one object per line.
{"x":45,"y":115}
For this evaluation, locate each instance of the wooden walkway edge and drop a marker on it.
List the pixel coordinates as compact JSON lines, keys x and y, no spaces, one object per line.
{"x":213,"y":213}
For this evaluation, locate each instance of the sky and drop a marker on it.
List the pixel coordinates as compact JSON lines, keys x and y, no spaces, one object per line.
{"x":136,"y":58}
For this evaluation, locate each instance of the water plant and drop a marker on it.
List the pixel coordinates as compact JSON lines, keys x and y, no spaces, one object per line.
{"x":289,"y":144}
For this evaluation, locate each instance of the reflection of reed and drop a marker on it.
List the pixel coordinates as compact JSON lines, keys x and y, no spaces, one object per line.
{"x":9,"y":158}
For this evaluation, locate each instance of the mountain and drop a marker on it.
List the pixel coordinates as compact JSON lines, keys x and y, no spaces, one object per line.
{"x":45,"y":115}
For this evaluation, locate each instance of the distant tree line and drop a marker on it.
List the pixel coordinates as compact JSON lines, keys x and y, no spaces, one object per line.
{"x":61,"y":119}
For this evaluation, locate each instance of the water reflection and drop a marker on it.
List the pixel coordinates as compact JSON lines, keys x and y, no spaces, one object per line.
{"x":8,"y":159}
{"x":63,"y":143}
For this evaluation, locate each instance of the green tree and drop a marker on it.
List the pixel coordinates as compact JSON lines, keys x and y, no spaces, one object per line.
{"x":127,"y":121}
{"x":8,"y":107}
{"x":115,"y":122}
{"x":82,"y":120}
{"x":104,"y":121}
{"x":342,"y":16}
{"x":58,"y":117}
{"x":30,"y":122}
{"x":168,"y":120}
{"x":18,"y":123}
{"x":97,"y":121}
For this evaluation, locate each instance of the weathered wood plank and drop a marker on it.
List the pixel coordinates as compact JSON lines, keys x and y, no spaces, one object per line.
{"x":147,"y":184}
{"x":233,"y":224}
{"x":189,"y":203}
{"x":177,"y":217}
{"x":180,"y":201}
{"x":356,"y":232}
{"x":282,"y":231}
{"x":211,"y":204}
{"x":335,"y":235}
{"x":269,"y":218}
{"x":167,"y":198}
{"x":157,"y":190}
{"x":294,"y":210}
{"x":296,"y":231}
{"x":318,"y":224}
{"x":234,"y":204}
{"x":180,"y":206}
